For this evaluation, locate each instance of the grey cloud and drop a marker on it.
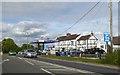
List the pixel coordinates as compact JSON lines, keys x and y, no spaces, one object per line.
{"x":19,"y":30}
{"x":27,"y":25}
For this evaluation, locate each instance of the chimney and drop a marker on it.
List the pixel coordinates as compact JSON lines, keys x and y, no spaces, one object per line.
{"x":68,"y":34}
{"x":92,"y":33}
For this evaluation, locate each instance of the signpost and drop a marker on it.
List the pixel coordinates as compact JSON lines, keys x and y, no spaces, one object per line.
{"x":107,"y":39}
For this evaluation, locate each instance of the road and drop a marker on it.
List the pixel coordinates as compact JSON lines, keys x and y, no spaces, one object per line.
{"x":88,"y":67}
{"x":44,"y":66}
{"x":19,"y":65}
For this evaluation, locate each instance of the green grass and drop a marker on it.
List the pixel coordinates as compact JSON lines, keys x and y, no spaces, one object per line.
{"x":73,"y":59}
{"x":111,"y":59}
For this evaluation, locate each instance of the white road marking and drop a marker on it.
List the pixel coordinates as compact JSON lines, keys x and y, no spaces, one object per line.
{"x":69,"y":68}
{"x":29,"y":62}
{"x":5,"y":61}
{"x":19,"y":57}
{"x":79,"y":70}
{"x":47,"y":71}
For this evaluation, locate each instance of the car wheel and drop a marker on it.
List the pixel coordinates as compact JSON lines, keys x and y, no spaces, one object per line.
{"x":35,"y":56}
{"x":24,"y":56}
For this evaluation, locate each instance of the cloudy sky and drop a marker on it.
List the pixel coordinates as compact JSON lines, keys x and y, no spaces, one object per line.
{"x":49,"y":19}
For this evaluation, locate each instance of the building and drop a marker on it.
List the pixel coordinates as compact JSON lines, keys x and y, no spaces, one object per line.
{"x":116,"y":42}
{"x":76,"y":41}
{"x":67,"y":42}
{"x":87,"y":42}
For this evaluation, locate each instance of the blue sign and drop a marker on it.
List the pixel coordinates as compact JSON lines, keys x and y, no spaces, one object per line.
{"x":51,"y":41}
{"x":106,"y":37}
{"x":46,"y":47}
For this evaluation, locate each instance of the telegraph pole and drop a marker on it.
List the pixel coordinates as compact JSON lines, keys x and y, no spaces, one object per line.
{"x":111,"y":34}
{"x":27,"y":39}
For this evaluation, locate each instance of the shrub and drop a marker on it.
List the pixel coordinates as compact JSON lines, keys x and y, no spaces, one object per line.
{"x":112,"y":58}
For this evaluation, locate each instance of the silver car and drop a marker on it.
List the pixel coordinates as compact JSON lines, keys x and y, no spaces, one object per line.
{"x":30,"y":53}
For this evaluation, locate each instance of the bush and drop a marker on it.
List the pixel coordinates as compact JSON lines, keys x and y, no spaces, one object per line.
{"x":112,"y":58}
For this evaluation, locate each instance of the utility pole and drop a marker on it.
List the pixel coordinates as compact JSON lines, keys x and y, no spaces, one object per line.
{"x":111,"y":34}
{"x":27,"y":39}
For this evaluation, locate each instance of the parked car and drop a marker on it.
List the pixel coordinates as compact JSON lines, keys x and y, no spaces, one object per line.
{"x":58,"y":53}
{"x":21,"y":52}
{"x":98,"y":50}
{"x":12,"y":52}
{"x":39,"y":52}
{"x":30,"y":53}
{"x":93,"y":51}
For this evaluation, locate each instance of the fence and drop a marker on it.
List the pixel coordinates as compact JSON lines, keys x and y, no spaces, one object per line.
{"x":92,"y":55}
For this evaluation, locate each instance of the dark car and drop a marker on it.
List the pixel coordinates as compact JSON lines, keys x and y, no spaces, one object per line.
{"x":98,"y":50}
{"x":93,"y":51}
{"x":39,"y":52}
{"x":88,"y":51}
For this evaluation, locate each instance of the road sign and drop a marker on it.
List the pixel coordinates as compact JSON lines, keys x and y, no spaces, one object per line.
{"x":52,"y":41}
{"x":106,"y":37}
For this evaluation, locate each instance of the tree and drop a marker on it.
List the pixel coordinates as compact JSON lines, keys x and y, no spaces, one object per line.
{"x":9,"y":44}
{"x":27,"y":46}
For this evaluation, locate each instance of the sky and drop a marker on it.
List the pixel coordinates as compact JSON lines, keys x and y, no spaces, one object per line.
{"x":42,"y":20}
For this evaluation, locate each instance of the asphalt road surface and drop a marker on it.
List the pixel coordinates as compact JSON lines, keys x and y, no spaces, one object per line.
{"x":42,"y":66}
{"x":31,"y":66}
{"x":82,"y":66}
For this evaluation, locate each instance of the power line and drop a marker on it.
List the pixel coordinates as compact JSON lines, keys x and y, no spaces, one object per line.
{"x":105,"y":14}
{"x":99,"y":8}
{"x":80,"y":18}
{"x":97,"y":11}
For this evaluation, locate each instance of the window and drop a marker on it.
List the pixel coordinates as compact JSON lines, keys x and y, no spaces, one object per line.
{"x":83,"y":42}
{"x":72,"y":42}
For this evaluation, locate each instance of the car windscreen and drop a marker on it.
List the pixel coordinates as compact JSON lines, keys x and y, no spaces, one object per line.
{"x":31,"y":50}
{"x":12,"y":51}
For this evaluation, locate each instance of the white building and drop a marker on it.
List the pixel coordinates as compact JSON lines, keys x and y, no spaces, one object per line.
{"x":76,"y":41}
{"x":87,"y":42}
{"x":67,"y":42}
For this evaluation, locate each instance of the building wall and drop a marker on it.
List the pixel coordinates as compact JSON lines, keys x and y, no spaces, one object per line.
{"x":69,"y":44}
{"x":74,"y":44}
{"x":87,"y":44}
{"x":116,"y":47}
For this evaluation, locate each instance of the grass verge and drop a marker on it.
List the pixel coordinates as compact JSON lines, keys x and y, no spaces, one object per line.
{"x":73,"y":59}
{"x":111,"y":59}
